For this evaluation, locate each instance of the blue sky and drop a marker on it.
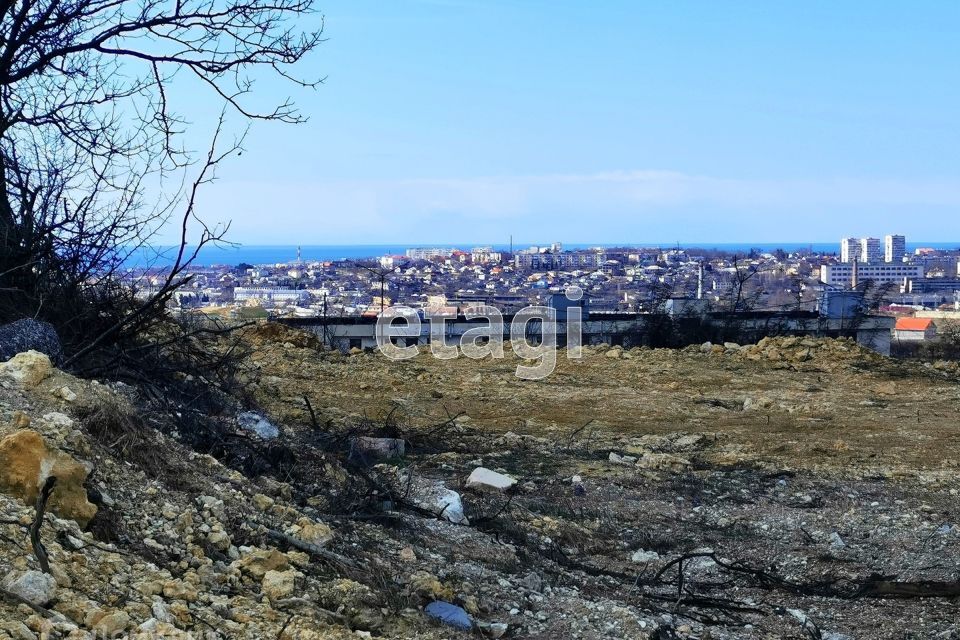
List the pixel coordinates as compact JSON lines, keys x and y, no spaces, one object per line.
{"x":720,"y":121}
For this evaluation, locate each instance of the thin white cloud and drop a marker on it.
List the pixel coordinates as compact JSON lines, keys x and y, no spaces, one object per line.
{"x":387,"y":210}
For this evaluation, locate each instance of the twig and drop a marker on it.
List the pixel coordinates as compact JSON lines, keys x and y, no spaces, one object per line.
{"x":46,"y":613}
{"x":289,"y":602}
{"x":284,"y":627}
{"x":313,"y":415}
{"x":312,"y":549}
{"x":503,"y":509}
{"x":574,"y":433}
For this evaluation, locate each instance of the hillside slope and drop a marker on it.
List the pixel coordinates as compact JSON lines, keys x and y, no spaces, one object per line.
{"x":783,"y":490}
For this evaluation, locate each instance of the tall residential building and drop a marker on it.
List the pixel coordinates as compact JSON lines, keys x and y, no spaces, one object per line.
{"x":871,"y":250}
{"x":895,"y":248}
{"x":850,"y":250}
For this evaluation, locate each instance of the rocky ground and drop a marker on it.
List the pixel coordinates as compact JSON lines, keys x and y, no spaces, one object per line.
{"x":791,"y":489}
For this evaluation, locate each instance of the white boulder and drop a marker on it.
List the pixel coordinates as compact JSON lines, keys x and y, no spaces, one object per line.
{"x":483,"y":478}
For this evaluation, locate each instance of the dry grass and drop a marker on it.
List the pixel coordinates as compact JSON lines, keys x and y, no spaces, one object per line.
{"x":813,"y":406}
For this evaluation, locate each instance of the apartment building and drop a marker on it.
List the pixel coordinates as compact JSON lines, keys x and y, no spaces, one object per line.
{"x":894,"y":248}
{"x":850,"y":250}
{"x":841,"y":275}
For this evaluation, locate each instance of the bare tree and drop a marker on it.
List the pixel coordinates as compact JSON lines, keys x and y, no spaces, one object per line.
{"x":743,"y":296}
{"x":872,"y":295}
{"x":90,"y":134}
{"x":383,"y":276}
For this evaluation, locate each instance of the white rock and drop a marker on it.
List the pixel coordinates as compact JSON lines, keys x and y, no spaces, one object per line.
{"x":618,"y":459}
{"x":57,"y":419}
{"x":250,"y":421}
{"x":35,"y":587}
{"x":65,"y":393}
{"x":643,"y":557}
{"x":483,"y":478}
{"x":799,"y":615}
{"x":150,"y":625}
{"x":160,"y":612}
{"x":450,"y":504}
{"x":433,"y":496}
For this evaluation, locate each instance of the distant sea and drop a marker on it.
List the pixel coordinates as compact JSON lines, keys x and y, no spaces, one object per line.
{"x":272,"y":254}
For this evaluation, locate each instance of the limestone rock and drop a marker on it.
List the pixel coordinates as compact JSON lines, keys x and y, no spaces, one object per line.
{"x":65,"y":393}
{"x":643,"y":557}
{"x":663,"y":462}
{"x":450,"y":506}
{"x":313,"y":533}
{"x":262,"y":502}
{"x":29,"y":368}
{"x":26,"y":463}
{"x":35,"y":587}
{"x":616,"y":458}
{"x":277,"y":585}
{"x":433,"y":495}
{"x":427,"y":585}
{"x":57,"y":419}
{"x":257,"y":562}
{"x":180,"y":590}
{"x":112,"y":624}
{"x":483,"y":478}
{"x":219,"y":540}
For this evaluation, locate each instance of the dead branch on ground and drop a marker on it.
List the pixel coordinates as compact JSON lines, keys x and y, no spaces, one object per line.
{"x":41,"y":508}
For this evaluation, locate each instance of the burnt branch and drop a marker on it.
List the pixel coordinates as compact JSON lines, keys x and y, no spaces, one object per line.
{"x":41,"y":508}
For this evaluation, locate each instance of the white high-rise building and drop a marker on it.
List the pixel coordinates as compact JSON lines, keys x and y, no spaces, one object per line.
{"x":895,"y":248}
{"x":850,"y":249}
{"x":871,"y":250}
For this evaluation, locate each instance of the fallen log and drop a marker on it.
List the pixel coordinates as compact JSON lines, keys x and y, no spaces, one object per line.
{"x":873,"y":587}
{"x":918,"y":589}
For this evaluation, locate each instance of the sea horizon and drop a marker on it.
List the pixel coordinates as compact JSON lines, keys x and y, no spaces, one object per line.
{"x":285,"y":253}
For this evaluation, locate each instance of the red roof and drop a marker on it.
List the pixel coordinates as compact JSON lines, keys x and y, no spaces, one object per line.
{"x":913,"y":324}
